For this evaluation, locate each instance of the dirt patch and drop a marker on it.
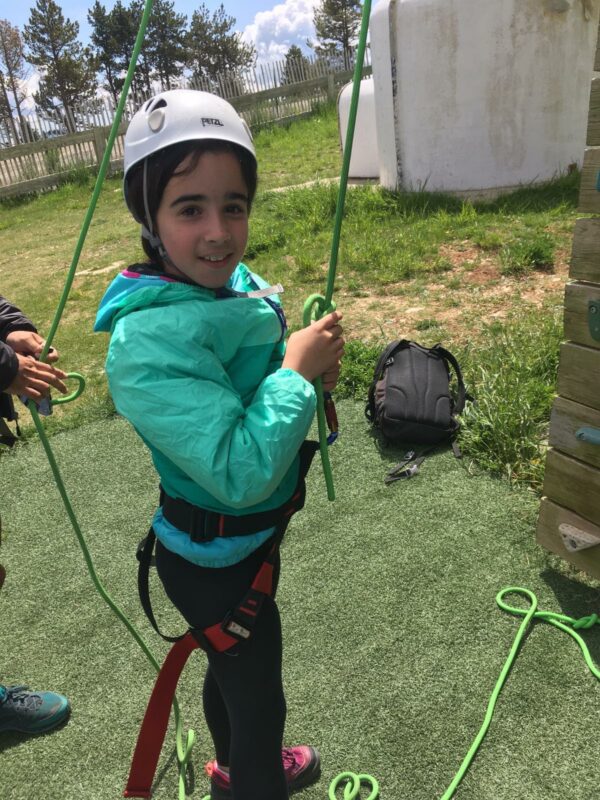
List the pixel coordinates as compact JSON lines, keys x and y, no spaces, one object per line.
{"x":471,"y":295}
{"x":458,"y":253}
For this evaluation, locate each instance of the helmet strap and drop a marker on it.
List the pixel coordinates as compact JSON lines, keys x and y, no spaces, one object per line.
{"x":148,"y":228}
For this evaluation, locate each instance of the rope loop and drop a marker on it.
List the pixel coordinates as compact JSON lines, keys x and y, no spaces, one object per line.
{"x":517,"y":611}
{"x":75,"y":376}
{"x":315,"y":307}
{"x":351,"y":783}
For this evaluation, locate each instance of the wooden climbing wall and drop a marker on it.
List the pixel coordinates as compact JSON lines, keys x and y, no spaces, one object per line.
{"x":569,"y":520}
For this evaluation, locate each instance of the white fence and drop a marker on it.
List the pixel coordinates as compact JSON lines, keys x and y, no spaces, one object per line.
{"x":49,"y":160}
{"x":99,"y":112}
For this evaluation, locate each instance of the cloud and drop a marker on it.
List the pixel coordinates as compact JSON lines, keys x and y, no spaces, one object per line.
{"x":274,"y":31}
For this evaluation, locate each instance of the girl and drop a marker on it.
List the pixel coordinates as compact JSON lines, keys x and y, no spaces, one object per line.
{"x":197,"y":363}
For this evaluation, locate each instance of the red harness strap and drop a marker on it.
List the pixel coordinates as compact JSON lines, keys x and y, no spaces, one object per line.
{"x":154,"y":727}
{"x":236,"y":627}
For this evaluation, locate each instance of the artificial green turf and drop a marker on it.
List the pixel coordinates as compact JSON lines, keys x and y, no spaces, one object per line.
{"x":393,"y":641}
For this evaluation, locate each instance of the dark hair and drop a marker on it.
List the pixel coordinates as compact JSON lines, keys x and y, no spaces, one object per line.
{"x":163,"y":164}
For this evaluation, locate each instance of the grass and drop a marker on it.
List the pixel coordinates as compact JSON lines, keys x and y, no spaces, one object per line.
{"x":513,"y":380}
{"x":523,"y":255}
{"x":393,"y":641}
{"x":394,"y":247}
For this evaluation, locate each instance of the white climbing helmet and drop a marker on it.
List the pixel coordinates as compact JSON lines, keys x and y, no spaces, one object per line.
{"x":182,"y":115}
{"x":179,"y":115}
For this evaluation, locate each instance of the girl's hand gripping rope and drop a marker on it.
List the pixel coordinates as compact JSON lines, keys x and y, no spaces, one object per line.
{"x":315,"y":352}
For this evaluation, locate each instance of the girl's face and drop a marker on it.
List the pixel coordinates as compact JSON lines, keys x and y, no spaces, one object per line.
{"x":202,"y":219}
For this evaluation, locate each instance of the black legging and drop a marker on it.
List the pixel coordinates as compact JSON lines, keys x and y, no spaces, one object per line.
{"x":244,"y":704}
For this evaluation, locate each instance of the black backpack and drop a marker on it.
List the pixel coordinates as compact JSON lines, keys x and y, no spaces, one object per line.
{"x":411,"y":400}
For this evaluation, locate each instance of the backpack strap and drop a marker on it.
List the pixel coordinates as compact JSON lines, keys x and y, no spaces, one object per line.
{"x":462,"y":393}
{"x":397,"y":344}
{"x":408,"y":467}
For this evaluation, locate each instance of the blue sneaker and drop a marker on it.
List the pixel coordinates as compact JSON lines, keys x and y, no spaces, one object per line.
{"x":31,"y":712}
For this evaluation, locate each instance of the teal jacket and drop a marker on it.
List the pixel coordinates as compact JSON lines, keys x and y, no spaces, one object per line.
{"x":198,"y":374}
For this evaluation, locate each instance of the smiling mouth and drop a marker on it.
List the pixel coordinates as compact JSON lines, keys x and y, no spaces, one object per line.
{"x":216,"y":260}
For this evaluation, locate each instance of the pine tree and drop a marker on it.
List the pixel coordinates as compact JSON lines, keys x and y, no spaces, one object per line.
{"x":67,"y":69}
{"x":123,"y":24}
{"x":296,"y":67}
{"x":166,"y":39}
{"x":8,"y":130}
{"x":12,"y":76}
{"x":144,"y":69}
{"x":337,"y":23}
{"x":105,"y":41}
{"x":214,"y":49}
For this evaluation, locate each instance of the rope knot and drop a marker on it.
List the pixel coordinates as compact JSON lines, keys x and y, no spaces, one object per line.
{"x":585,"y":622}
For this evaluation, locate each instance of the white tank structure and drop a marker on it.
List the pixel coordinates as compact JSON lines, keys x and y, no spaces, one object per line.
{"x":364,"y":161}
{"x":480,"y":96}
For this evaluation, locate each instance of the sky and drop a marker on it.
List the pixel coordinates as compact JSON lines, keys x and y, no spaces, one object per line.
{"x":272,"y":27}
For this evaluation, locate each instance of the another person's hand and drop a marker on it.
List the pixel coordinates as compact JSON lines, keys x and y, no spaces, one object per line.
{"x":317,"y":349}
{"x":28,"y":343}
{"x":35,"y":379}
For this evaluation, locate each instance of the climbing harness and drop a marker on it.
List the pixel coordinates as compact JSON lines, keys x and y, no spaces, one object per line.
{"x":222,"y":637}
{"x":207,"y":525}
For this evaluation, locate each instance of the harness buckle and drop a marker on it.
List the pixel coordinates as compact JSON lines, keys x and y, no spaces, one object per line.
{"x":235,"y":627}
{"x":237,"y":630}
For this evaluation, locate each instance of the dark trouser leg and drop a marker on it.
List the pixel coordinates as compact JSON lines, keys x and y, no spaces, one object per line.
{"x":217,"y":718}
{"x":249,"y":683}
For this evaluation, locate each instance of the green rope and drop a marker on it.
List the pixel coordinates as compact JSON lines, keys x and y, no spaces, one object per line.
{"x":317,"y":306}
{"x":351,"y":783}
{"x":564,"y":623}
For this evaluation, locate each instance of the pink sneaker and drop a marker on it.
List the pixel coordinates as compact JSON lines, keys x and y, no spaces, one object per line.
{"x":302,"y":767}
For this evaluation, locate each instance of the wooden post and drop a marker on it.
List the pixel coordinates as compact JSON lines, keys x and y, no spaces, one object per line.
{"x":99,"y":144}
{"x":331,"y":93}
{"x":569,"y":521}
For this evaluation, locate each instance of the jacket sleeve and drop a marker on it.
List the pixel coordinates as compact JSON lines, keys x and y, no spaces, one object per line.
{"x":9,"y":366}
{"x":186,"y":407}
{"x":13,"y":319}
